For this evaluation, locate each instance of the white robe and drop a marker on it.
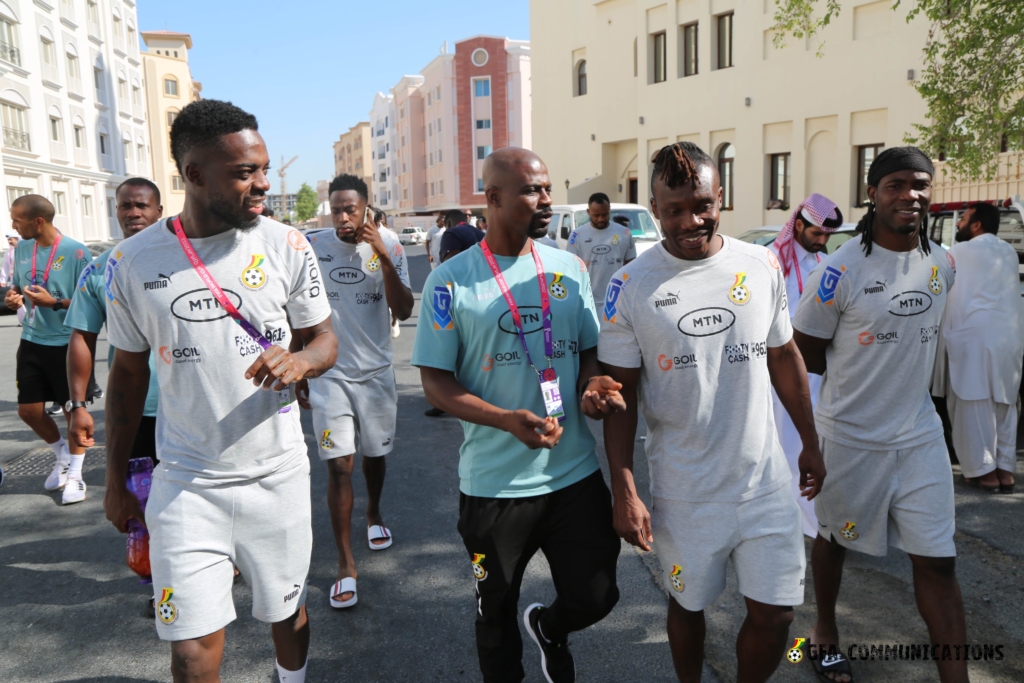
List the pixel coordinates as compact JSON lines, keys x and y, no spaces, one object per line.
{"x":789,"y":438}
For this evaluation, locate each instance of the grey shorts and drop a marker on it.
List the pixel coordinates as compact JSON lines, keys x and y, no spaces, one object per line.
{"x":354,"y":417}
{"x":875,"y":499}
{"x":763,"y":537}
{"x":264,"y":527}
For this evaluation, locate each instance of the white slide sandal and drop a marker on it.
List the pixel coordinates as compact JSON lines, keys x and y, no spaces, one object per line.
{"x":376,"y":533}
{"x":346,"y":585}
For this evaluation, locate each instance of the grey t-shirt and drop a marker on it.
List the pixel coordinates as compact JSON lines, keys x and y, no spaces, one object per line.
{"x":603,"y":252}
{"x":359,"y":308}
{"x":213,"y":426}
{"x":434,"y":235}
{"x":700,"y":332}
{"x":882,"y":313}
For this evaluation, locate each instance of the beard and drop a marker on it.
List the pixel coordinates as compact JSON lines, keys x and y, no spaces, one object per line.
{"x":907,"y":229}
{"x":813,"y":247}
{"x":963,"y":235}
{"x":537,"y":229}
{"x":228,"y":214}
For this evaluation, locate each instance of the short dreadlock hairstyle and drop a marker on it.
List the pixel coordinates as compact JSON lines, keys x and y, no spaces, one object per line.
{"x":678,"y":164}
{"x":349,"y":182}
{"x":203,"y":124}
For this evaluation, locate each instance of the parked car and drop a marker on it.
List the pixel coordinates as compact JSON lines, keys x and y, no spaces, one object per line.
{"x":944,"y":217}
{"x":412,"y":235}
{"x":640,"y":221}
{"x":766,"y":235}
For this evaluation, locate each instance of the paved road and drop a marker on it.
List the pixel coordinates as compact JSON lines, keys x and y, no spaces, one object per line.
{"x":70,"y":610}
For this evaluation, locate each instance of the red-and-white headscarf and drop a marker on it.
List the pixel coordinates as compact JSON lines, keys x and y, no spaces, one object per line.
{"x":817,"y":210}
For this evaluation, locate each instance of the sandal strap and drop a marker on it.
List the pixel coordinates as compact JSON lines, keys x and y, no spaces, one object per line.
{"x":380,"y":530}
{"x":346,"y":585}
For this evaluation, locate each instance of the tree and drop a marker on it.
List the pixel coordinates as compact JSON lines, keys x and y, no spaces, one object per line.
{"x":306,"y":204}
{"x":973,"y":80}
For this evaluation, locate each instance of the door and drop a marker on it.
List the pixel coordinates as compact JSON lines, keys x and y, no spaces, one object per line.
{"x":633,"y":191}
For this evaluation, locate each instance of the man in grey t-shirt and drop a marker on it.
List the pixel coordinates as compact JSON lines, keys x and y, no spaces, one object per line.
{"x":868,"y":321}
{"x":433,"y":241}
{"x":603,"y":245}
{"x":355,"y":403}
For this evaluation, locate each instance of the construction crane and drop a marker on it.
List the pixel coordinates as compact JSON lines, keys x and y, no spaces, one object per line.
{"x":284,"y":180}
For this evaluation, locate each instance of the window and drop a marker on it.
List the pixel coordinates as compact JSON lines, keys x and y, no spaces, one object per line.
{"x":483,"y":124}
{"x":79,"y":137}
{"x":171,"y":87}
{"x":385,"y":122}
{"x":73,"y":71}
{"x":173,"y":114}
{"x":725,"y":41}
{"x":780,"y":181}
{"x":97,"y":79}
{"x":479,"y":56}
{"x":479,"y":184}
{"x":581,"y":78}
{"x":437,"y":98}
{"x":140,"y":152}
{"x":92,"y":12}
{"x":430,"y":130}
{"x":690,"y":50}
{"x":87,"y":205}
{"x":483,"y":87}
{"x":111,"y":209}
{"x":55,"y":129}
{"x":659,"y":57}
{"x":865,"y":155}
{"x":440,"y":187}
{"x":48,"y":53}
{"x":126,"y":146}
{"x":483,"y":151}
{"x":15,"y":192}
{"x":136,"y":96}
{"x":430,"y":98}
{"x":60,"y":204}
{"x":439,"y":156}
{"x":122,"y":89}
{"x":15,"y":135}
{"x":104,"y":144}
{"x":118,"y":28}
{"x":726,"y":165}
{"x":9,"y":42}
{"x":432,"y":186}
{"x":438,"y":126}
{"x":431,"y":158}
{"x":177,"y":184}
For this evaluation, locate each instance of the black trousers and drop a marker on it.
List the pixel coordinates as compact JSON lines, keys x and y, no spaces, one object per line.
{"x":573,"y":526}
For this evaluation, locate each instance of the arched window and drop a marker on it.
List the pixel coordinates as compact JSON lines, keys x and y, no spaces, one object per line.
{"x":171,"y":115}
{"x":726,"y":168}
{"x":9,"y":36}
{"x":170,"y":86}
{"x":581,"y":78}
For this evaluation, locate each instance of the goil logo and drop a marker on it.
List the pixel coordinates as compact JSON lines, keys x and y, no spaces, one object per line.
{"x":866,"y":338}
{"x":488,"y":363}
{"x":189,"y":354}
{"x":664,"y":362}
{"x":165,"y":354}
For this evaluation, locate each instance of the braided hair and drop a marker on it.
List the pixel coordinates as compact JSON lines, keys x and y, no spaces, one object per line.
{"x":891,"y":161}
{"x":678,"y":164}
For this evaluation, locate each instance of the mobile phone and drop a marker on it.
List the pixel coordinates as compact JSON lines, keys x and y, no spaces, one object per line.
{"x":368,"y":216}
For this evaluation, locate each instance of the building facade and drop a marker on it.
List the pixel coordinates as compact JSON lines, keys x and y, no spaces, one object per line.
{"x":383,"y":191}
{"x":169,"y":88}
{"x":281,"y":205}
{"x":74,"y":115}
{"x":619,"y":80}
{"x":352,"y":152}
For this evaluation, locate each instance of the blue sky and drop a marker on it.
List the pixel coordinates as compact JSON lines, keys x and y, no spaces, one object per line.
{"x":309,"y":69}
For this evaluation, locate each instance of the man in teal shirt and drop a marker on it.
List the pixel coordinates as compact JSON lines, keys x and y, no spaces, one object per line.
{"x":138,"y":206}
{"x":46,"y":267}
{"x":528,"y":483}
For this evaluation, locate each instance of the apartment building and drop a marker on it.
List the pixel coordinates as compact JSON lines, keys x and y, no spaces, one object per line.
{"x":169,"y":88}
{"x":352,"y":152}
{"x":621,"y":79}
{"x":384,"y":192}
{"x":74,"y":116}
{"x":282,"y":205}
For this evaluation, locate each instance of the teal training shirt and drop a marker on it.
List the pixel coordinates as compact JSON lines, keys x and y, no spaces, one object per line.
{"x":465,"y":326}
{"x":88,"y":312}
{"x":71,"y":259}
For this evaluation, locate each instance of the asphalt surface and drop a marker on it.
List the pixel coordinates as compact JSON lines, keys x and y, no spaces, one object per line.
{"x":71,"y":611}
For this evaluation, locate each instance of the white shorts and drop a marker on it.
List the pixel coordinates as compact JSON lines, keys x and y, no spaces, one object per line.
{"x":763,"y":536}
{"x":874,"y":499}
{"x":354,"y":417}
{"x":263,"y":526}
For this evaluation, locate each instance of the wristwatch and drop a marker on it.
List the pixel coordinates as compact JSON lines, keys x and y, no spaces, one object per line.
{"x":71,"y":405}
{"x":58,"y":304}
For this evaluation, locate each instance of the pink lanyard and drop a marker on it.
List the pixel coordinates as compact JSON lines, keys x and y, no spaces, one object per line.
{"x":799,"y":279}
{"x":49,"y":263}
{"x":222,"y":299}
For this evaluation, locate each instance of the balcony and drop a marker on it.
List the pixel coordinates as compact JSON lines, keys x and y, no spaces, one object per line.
{"x":380,"y":132}
{"x":383,"y":177}
{"x":94,"y":31}
{"x":81,"y":157}
{"x":51,"y":76}
{"x":58,"y":152}
{"x":101,"y":96}
{"x":75,"y":86}
{"x":9,"y":53}
{"x":17,"y":139}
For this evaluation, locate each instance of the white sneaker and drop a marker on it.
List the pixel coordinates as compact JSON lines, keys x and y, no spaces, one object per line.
{"x":74,"y":492}
{"x":396,"y":329}
{"x":58,"y":477}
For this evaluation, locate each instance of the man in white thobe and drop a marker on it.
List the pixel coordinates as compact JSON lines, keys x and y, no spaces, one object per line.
{"x":798,"y":249}
{"x":983,"y":336}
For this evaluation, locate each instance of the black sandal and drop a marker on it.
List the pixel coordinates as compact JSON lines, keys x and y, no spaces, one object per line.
{"x":837,"y":663}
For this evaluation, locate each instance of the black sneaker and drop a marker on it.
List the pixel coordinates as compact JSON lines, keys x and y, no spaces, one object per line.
{"x":433,"y":412}
{"x":55,"y":409}
{"x":555,"y":658}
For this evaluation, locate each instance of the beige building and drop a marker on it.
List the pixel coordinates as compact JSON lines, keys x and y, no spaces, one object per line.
{"x":169,"y":88}
{"x":352,"y":153}
{"x":622,"y":78}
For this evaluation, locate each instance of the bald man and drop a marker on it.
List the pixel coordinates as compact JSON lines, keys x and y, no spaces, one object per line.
{"x":510,"y":367}
{"x":46,"y":269}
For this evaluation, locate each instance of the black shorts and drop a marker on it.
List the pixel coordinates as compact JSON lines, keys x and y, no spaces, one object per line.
{"x":42,"y":373}
{"x":145,"y":440}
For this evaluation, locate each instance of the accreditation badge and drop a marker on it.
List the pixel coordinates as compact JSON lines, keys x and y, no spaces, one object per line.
{"x":551,"y":393}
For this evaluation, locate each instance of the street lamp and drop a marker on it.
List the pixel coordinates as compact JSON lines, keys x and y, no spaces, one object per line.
{"x":567,"y":183}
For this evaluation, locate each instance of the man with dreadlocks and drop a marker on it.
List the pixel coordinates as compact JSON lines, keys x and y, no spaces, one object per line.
{"x":798,"y":248}
{"x":699,"y":326}
{"x":868,"y":321}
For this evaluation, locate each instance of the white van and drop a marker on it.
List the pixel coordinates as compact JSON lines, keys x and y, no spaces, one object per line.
{"x":568,"y":217}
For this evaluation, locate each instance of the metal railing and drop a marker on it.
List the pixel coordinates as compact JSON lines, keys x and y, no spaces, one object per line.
{"x":9,"y":53}
{"x":16,"y":139}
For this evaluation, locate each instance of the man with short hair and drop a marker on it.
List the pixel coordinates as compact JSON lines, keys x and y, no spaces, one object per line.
{"x":868,"y":322}
{"x":481,"y":223}
{"x":355,"y":403}
{"x":698,"y":326}
{"x":233,"y":482}
{"x":458,"y":236}
{"x":798,"y":249}
{"x":983,"y":340}
{"x":47,"y":266}
{"x":528,"y":482}
{"x":433,"y":241}
{"x":603,"y":245}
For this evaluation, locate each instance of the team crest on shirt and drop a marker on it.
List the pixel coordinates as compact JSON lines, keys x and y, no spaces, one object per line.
{"x":478,"y":569}
{"x":935,"y":283}
{"x":677,"y":583}
{"x":58,"y":264}
{"x":373,"y":265}
{"x":165,"y":609}
{"x":557,"y":289}
{"x":739,"y":294}
{"x":253,"y":276}
{"x":326,"y":442}
{"x":615,"y":239}
{"x":848,"y":533}
{"x":796,"y":653}
{"x":829,"y":282}
{"x":443,"y":308}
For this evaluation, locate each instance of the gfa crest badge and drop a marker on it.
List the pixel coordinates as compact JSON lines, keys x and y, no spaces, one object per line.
{"x":58,"y":264}
{"x":796,"y":653}
{"x":738,"y":293}
{"x":556,"y":287}
{"x":478,"y":569}
{"x":165,"y":609}
{"x":615,"y":240}
{"x":935,"y":284}
{"x":848,"y":533}
{"x":326,"y":443}
{"x":253,"y":276}
{"x":373,"y":265}
{"x":677,"y":583}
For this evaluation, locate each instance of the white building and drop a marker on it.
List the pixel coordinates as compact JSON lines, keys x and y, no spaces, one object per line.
{"x":74,"y":116}
{"x":384,"y":193}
